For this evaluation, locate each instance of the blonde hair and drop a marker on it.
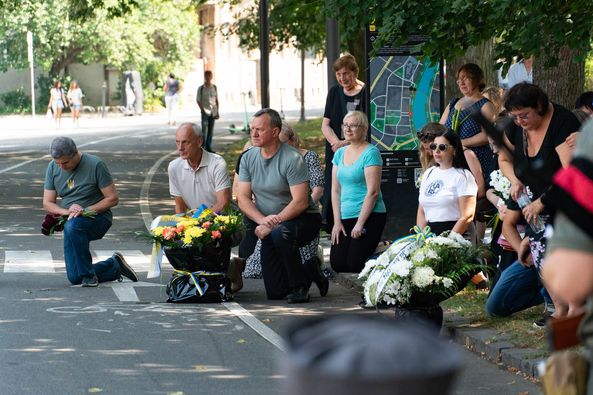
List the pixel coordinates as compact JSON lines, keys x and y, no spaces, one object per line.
{"x":492,"y":93}
{"x":360,"y":117}
{"x":431,"y":129}
{"x":292,"y":136}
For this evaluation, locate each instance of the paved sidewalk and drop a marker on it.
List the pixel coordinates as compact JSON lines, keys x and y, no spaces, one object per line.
{"x":479,"y":340}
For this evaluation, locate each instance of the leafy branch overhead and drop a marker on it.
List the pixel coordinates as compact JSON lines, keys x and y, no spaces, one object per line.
{"x":528,"y":27}
{"x":123,"y":34}
{"x":292,"y":23}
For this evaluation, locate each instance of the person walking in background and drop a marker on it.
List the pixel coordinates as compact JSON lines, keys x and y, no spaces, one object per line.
{"x":348,"y":95}
{"x":75,"y":100}
{"x":83,"y":185}
{"x":359,"y":210}
{"x":207,"y":99}
{"x":57,"y":101}
{"x":171,"y":98}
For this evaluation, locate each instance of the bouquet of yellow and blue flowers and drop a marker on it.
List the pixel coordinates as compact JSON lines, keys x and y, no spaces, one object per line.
{"x":203,"y":229}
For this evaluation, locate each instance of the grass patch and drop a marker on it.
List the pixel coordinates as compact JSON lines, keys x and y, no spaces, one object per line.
{"x":309,"y":132}
{"x":518,"y":329}
{"x":469,"y":303}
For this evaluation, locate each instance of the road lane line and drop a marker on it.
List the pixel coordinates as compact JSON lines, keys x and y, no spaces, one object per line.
{"x":144,"y":205}
{"x":79,"y":146}
{"x":125,"y":292}
{"x":135,"y":258}
{"x":31,"y":261}
{"x":255,"y":324}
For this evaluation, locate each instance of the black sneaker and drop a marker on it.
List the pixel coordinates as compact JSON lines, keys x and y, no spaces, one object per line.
{"x":125,"y":270}
{"x":299,"y":295}
{"x":541,"y":323}
{"x":90,"y":281}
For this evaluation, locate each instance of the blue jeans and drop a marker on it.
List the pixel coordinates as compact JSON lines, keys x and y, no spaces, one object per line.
{"x":207,"y":130}
{"x":78,"y":233}
{"x":518,"y":288}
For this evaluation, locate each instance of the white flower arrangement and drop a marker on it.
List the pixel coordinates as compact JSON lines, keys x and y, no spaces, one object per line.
{"x":501,"y":185}
{"x":422,"y":263}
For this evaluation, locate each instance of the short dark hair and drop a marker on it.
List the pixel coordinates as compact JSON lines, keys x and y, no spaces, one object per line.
{"x":585,"y":100}
{"x":62,"y":146}
{"x":524,"y":95}
{"x":171,"y":75}
{"x":207,"y":72}
{"x":275,"y":119}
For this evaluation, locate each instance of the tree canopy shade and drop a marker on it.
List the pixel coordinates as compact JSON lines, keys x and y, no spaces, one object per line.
{"x":124,"y":34}
{"x":528,"y":27}
{"x":296,"y":23}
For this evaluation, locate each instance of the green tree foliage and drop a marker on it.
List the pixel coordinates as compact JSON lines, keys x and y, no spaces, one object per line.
{"x":529,"y":27}
{"x":152,"y":36}
{"x":295,"y":23}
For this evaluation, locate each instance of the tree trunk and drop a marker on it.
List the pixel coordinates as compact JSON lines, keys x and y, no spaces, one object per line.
{"x":357,"y":48}
{"x":563,"y":83}
{"x":302,"y":118}
{"x":483,"y":56}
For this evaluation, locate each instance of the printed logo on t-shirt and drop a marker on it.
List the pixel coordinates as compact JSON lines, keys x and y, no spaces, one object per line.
{"x":434,"y":187}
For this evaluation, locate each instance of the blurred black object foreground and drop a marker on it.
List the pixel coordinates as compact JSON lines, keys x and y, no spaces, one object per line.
{"x":368,"y":355}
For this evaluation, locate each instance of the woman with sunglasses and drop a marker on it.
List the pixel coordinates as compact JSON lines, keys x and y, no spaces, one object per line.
{"x":537,"y":148}
{"x":358,"y":207}
{"x":447,"y":199}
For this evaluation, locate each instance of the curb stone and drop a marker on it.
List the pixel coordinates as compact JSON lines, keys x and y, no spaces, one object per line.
{"x":485,"y":342}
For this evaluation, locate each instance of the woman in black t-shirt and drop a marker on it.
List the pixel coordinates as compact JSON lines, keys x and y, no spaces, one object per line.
{"x":348,"y":95}
{"x":540,"y":141}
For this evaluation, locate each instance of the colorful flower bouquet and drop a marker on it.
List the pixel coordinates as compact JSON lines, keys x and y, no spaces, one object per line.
{"x":421,"y":270}
{"x":198,"y":246}
{"x":55,"y":223}
{"x":195,"y":242}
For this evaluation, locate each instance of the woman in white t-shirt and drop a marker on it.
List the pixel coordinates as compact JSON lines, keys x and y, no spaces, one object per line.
{"x":75,"y":99}
{"x":57,"y":101}
{"x":447,"y":199}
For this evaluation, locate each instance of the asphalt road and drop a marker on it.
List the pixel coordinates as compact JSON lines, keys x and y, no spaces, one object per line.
{"x":122,"y":338}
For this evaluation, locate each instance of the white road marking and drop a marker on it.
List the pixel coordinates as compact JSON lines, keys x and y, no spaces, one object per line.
{"x":32,"y":261}
{"x":135,"y":258}
{"x":79,"y":146}
{"x":255,"y":324}
{"x":125,"y":292}
{"x":144,"y":205}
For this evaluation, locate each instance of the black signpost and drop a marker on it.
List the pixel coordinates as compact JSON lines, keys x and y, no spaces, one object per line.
{"x":405,"y":93}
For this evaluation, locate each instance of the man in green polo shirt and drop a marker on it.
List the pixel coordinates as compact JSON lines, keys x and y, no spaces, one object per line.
{"x":76,"y":183}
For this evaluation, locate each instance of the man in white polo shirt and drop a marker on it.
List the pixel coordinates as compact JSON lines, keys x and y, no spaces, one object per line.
{"x":197,"y":177}
{"x":200,"y":177}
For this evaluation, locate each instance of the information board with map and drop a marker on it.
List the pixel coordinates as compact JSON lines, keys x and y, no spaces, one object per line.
{"x":405,"y":94}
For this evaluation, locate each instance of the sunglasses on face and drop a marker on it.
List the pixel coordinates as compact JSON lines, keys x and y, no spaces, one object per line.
{"x":425,"y":137}
{"x":439,"y":147}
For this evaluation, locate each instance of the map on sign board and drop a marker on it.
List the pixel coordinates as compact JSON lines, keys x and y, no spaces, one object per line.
{"x":404,"y":96}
